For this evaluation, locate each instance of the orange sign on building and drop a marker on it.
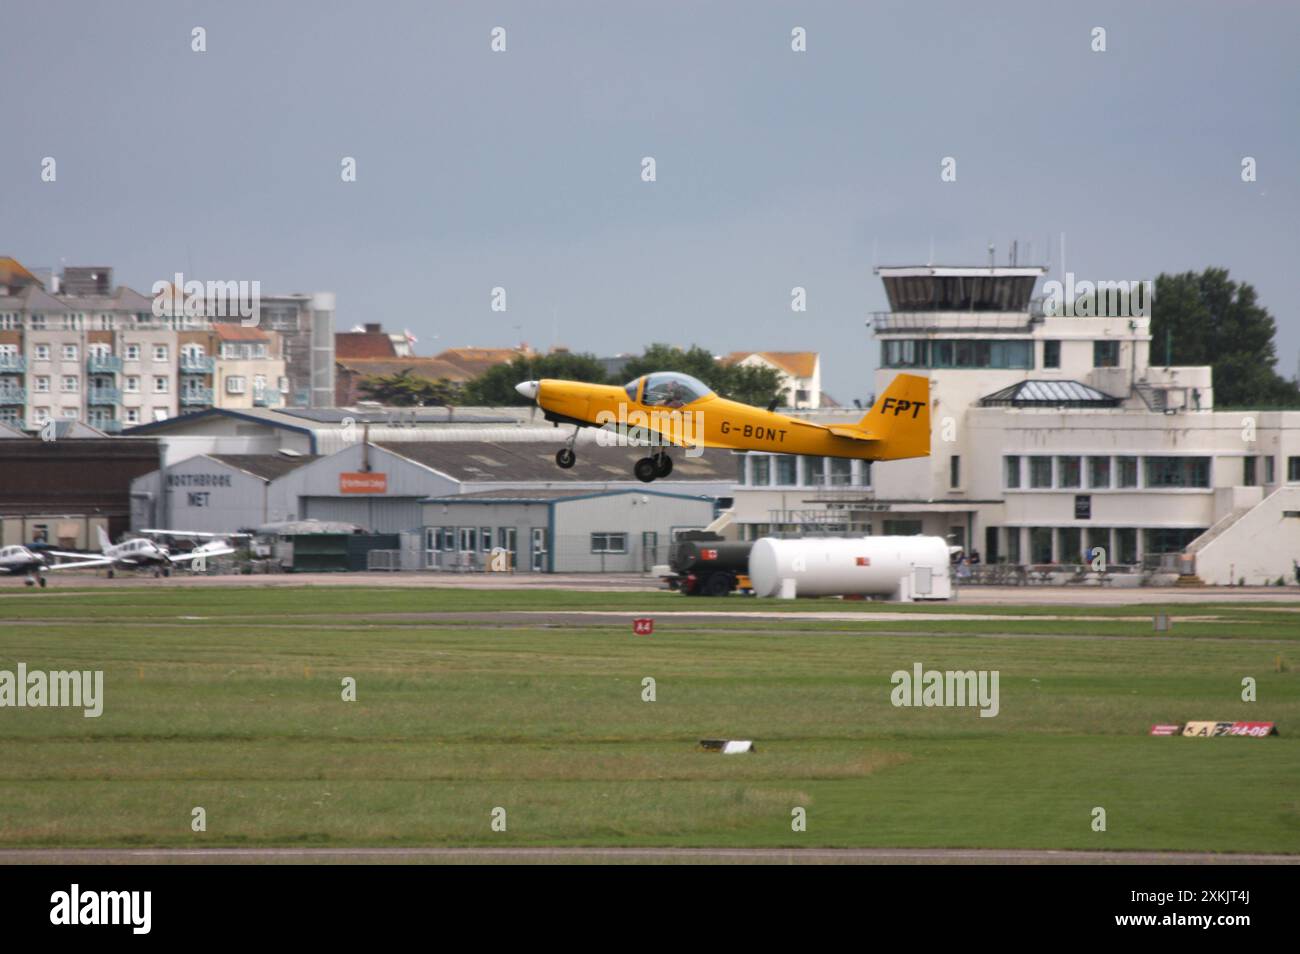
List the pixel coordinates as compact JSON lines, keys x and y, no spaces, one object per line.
{"x":363,"y":483}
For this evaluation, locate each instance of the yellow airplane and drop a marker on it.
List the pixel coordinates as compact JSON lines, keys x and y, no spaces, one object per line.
{"x":670,"y":409}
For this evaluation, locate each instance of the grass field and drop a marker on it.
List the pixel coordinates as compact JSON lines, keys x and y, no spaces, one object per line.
{"x":230,"y":699}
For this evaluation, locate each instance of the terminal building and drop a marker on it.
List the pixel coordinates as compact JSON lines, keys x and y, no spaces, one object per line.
{"x":1051,"y":437}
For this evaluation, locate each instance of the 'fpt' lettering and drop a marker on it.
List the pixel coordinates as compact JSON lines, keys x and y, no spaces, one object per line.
{"x":901,"y":406}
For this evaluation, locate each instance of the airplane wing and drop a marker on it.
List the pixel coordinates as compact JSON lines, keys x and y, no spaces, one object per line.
{"x":195,"y":533}
{"x":198,"y":555}
{"x":101,"y":561}
{"x":69,"y":555}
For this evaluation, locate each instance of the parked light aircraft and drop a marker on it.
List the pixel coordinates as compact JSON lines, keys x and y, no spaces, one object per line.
{"x":17,"y":559}
{"x":672,"y":409}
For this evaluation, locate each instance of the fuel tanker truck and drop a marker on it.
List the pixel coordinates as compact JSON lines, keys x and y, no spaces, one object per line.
{"x":893,"y":568}
{"x":702,"y":563}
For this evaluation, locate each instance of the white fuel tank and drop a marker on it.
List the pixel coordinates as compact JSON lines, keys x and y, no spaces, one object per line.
{"x":899,"y":568}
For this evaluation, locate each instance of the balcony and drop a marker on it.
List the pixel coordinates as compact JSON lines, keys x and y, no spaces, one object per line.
{"x":197,"y":364}
{"x":924,"y":322}
{"x":107,"y":425}
{"x":13,"y":396}
{"x":13,"y":364}
{"x":266,"y":399}
{"x":196,"y":397}
{"x":103,"y":364}
{"x":104,"y":396}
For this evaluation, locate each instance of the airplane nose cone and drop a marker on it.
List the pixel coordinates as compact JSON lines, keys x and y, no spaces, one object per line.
{"x":528,"y":389}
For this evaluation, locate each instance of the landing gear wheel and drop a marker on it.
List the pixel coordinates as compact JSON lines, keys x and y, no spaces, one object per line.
{"x":565,"y":457}
{"x":29,"y":581}
{"x":645,"y":469}
{"x":157,"y":573}
{"x":167,"y":571}
{"x":663,"y":465}
{"x":42,"y":582}
{"x":110,"y":574}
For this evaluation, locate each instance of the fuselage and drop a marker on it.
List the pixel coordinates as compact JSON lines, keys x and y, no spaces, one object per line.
{"x":690,"y":420}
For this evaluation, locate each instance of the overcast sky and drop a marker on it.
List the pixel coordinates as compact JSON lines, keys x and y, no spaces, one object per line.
{"x":522,"y":169}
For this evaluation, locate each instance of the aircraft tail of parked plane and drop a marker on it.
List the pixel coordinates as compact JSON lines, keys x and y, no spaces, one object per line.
{"x":105,"y":544}
{"x":898,"y":423}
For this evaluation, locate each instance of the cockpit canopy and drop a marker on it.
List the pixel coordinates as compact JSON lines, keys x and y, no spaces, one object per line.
{"x":667,"y":389}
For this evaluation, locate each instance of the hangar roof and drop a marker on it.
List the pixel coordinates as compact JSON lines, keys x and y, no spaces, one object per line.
{"x":265,"y":466}
{"x":548,"y":494}
{"x":535,"y":461}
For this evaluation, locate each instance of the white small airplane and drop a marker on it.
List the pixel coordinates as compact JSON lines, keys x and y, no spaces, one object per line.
{"x":17,"y":559}
{"x":215,"y":545}
{"x":141,"y":553}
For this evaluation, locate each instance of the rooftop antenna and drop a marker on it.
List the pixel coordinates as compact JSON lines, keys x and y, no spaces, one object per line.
{"x":1014,"y":252}
{"x":992,"y":263}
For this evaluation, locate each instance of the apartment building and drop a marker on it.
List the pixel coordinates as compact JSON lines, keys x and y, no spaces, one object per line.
{"x":74,"y":347}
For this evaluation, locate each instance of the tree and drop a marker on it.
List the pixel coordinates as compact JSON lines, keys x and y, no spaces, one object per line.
{"x":405,"y":389}
{"x":1209,"y":319}
{"x":495,"y":387}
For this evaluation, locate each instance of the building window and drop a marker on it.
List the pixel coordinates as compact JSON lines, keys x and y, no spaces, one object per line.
{"x":1011,"y":470}
{"x":485,"y":539}
{"x":160,"y":352}
{"x":1250,"y":471}
{"x":841,"y":472}
{"x":1013,"y":545}
{"x":1105,"y":354}
{"x":1068,"y":472}
{"x":1128,"y":471}
{"x":1270,"y":470}
{"x":467,"y":539}
{"x":1167,"y":540}
{"x":1051,"y":354}
{"x":1040,"y":472}
{"x":1292,"y":470}
{"x":954,"y":471}
{"x":42,"y":352}
{"x":43,"y":383}
{"x":814,"y":469}
{"x":1126,"y":546}
{"x":1070,"y":545}
{"x":71,"y":413}
{"x":133,"y":415}
{"x":234,"y":384}
{"x":69,"y":352}
{"x":132,"y":383}
{"x":920,"y":353}
{"x":761,"y":470}
{"x":133,"y":352}
{"x":787,"y":470}
{"x":1040,"y":545}
{"x":1098,"y":472}
{"x":609,"y":543}
{"x":1179,"y":471}
{"x":903,"y":528}
{"x":42,"y":415}
{"x":159,"y":385}
{"x":71,"y":384}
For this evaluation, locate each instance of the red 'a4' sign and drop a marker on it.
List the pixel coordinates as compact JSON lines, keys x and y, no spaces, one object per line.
{"x":643,"y":627}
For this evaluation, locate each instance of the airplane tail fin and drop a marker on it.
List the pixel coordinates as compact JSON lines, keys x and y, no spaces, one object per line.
{"x":900,"y":418}
{"x":104,"y":542}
